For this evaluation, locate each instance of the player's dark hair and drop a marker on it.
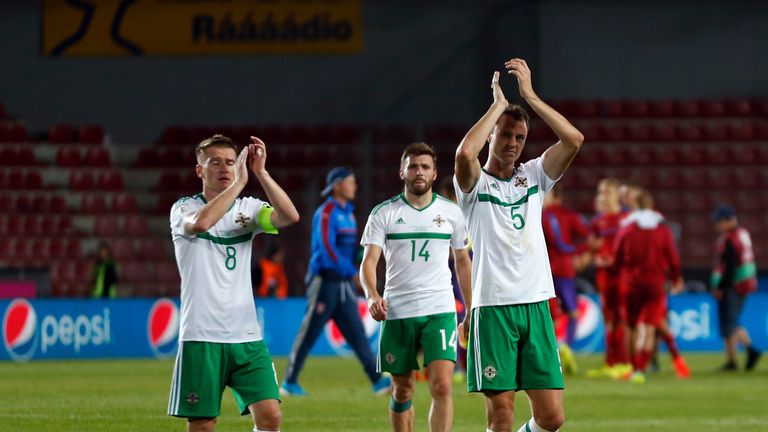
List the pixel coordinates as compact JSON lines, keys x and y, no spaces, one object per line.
{"x":214,"y":141}
{"x":418,"y":149}
{"x":518,"y":113}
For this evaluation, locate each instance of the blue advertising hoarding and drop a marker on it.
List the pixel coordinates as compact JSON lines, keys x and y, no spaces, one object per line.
{"x":83,"y":328}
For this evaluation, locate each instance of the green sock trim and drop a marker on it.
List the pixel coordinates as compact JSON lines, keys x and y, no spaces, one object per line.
{"x":399,"y":407}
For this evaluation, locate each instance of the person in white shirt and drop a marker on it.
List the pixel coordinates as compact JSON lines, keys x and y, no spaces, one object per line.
{"x":220,"y":340}
{"x":512,"y":343}
{"x":416,"y":230}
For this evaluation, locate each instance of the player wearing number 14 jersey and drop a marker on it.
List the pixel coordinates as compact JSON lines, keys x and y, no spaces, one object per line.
{"x":416,"y":230}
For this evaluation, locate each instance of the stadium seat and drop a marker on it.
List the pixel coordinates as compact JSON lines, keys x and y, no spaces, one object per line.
{"x":33,"y":226}
{"x":640,"y":155}
{"x":17,"y":133}
{"x":134,"y":271}
{"x":23,"y":203}
{"x":637,"y":108}
{"x":74,"y":248}
{"x":741,"y":132}
{"x":136,"y":226}
{"x":170,"y":157}
{"x":613,"y":108}
{"x":9,"y":156}
{"x":94,"y":204}
{"x":123,"y":248}
{"x":690,"y":108}
{"x":665,"y":155}
{"x":33,"y":180}
{"x":124,"y":203}
{"x":60,"y":134}
{"x":716,"y":132}
{"x":107,"y":226}
{"x":739,"y":108}
{"x":148,"y":157}
{"x":111,"y":180}
{"x":173,"y":135}
{"x":713,"y":108}
{"x":169,"y":181}
{"x":166,"y":271}
{"x":92,"y":134}
{"x":69,"y":157}
{"x":41,"y":204}
{"x":98,"y":157}
{"x":65,"y":225}
{"x":81,"y":181}
{"x":58,"y":204}
{"x":689,"y":133}
{"x":26,"y":157}
{"x":56,"y":248}
{"x":153,"y":249}
{"x":662,"y":108}
{"x":693,"y":155}
{"x":663,"y":133}
{"x":394,"y":134}
{"x":7,"y":247}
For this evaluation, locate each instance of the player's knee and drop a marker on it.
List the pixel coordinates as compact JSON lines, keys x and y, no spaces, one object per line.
{"x":440,"y":389}
{"x":500,"y":417}
{"x":201,"y":424}
{"x":402,"y":393}
{"x":551,"y":421}
{"x":269,"y":419}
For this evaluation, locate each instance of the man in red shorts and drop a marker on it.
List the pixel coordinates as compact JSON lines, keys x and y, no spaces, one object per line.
{"x":646,"y":255}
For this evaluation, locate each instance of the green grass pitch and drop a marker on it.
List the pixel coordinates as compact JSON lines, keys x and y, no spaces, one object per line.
{"x":131,"y":395}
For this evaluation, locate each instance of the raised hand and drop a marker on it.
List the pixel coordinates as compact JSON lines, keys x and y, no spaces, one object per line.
{"x":241,"y":168}
{"x":258,"y":155}
{"x":498,"y":94}
{"x":519,"y":68}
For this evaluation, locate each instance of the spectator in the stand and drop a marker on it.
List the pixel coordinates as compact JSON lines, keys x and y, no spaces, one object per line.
{"x":104,"y":279}
{"x":733,"y":278}
{"x":273,"y":280}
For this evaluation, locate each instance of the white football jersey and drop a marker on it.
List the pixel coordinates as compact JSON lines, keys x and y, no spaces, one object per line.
{"x":510,"y":264}
{"x":416,"y":245}
{"x":215,"y":266}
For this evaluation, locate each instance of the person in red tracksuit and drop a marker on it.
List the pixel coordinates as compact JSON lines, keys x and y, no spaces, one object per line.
{"x":605,"y":226}
{"x":645,"y":252}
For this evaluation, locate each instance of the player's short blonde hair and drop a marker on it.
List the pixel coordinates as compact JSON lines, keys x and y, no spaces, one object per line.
{"x":217,"y":140}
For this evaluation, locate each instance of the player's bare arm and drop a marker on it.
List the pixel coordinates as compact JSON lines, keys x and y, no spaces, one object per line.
{"x":463,"y":264}
{"x":467,"y":166}
{"x":377,"y":306}
{"x":285,"y":212}
{"x":559,"y":156}
{"x":216,"y":208}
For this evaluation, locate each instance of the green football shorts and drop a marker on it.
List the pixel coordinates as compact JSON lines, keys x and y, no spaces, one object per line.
{"x":401,"y":339}
{"x":513,"y":347}
{"x":203,"y":369}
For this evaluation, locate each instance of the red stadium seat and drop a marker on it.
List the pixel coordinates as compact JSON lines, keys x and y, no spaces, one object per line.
{"x":662,"y":108}
{"x":124,"y":203}
{"x":741,"y":132}
{"x":64,"y":225}
{"x":713,"y":108}
{"x":689,"y":133}
{"x":61,"y":134}
{"x":98,"y":157}
{"x":81,"y":181}
{"x":394,"y":134}
{"x":637,"y":109}
{"x":123,"y":248}
{"x":58,"y":204}
{"x":687,"y":108}
{"x":74,"y":249}
{"x":693,"y":155}
{"x":170,"y":157}
{"x":614,"y":108}
{"x":111,"y":181}
{"x":166,"y":271}
{"x":716,"y":132}
{"x":173,"y":135}
{"x":136,"y":226}
{"x":23,"y":203}
{"x":41,"y":204}
{"x":9,"y":156}
{"x":136,"y":271}
{"x":148,"y":157}
{"x":169,"y":181}
{"x":17,"y":133}
{"x":57,"y":248}
{"x":153,"y":249}
{"x":92,"y":134}
{"x":95,"y":204}
{"x":107,"y":226}
{"x":33,"y":180}
{"x":739,"y":108}
{"x":69,"y":157}
{"x":26,"y":157}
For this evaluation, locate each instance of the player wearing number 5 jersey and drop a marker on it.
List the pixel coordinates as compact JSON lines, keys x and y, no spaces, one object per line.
{"x":417,"y":230}
{"x":220,"y":341}
{"x":512,"y":342}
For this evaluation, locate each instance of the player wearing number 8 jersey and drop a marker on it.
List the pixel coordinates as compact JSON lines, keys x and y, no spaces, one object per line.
{"x":416,"y":230}
{"x":220,"y":341}
{"x":512,"y":342}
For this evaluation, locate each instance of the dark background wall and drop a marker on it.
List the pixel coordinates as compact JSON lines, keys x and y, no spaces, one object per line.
{"x":423,"y":62}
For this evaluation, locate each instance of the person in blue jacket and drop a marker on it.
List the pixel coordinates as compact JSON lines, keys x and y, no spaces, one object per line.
{"x":332,"y":282}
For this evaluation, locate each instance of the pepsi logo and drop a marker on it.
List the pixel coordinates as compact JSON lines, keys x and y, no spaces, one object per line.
{"x":19,"y":330}
{"x":163,"y":327}
{"x":336,"y":339}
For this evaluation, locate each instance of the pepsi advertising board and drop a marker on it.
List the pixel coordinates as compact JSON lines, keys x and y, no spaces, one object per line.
{"x":88,"y":329}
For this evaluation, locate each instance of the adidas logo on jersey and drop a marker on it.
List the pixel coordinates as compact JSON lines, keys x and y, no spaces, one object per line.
{"x":400,"y":221}
{"x":494,"y":186}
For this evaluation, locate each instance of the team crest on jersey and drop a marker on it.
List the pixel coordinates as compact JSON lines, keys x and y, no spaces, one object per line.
{"x":521,"y":182}
{"x":490,"y":372}
{"x":390,"y":358}
{"x":400,"y":221}
{"x":242,"y":219}
{"x":438,"y":220}
{"x":193,"y":398}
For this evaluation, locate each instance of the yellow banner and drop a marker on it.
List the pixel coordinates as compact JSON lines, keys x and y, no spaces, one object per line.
{"x":149,"y":27}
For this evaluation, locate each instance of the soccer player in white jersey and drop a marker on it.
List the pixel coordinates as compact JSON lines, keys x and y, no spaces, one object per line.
{"x":416,"y":230}
{"x":512,"y":342}
{"x":220,"y":341}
